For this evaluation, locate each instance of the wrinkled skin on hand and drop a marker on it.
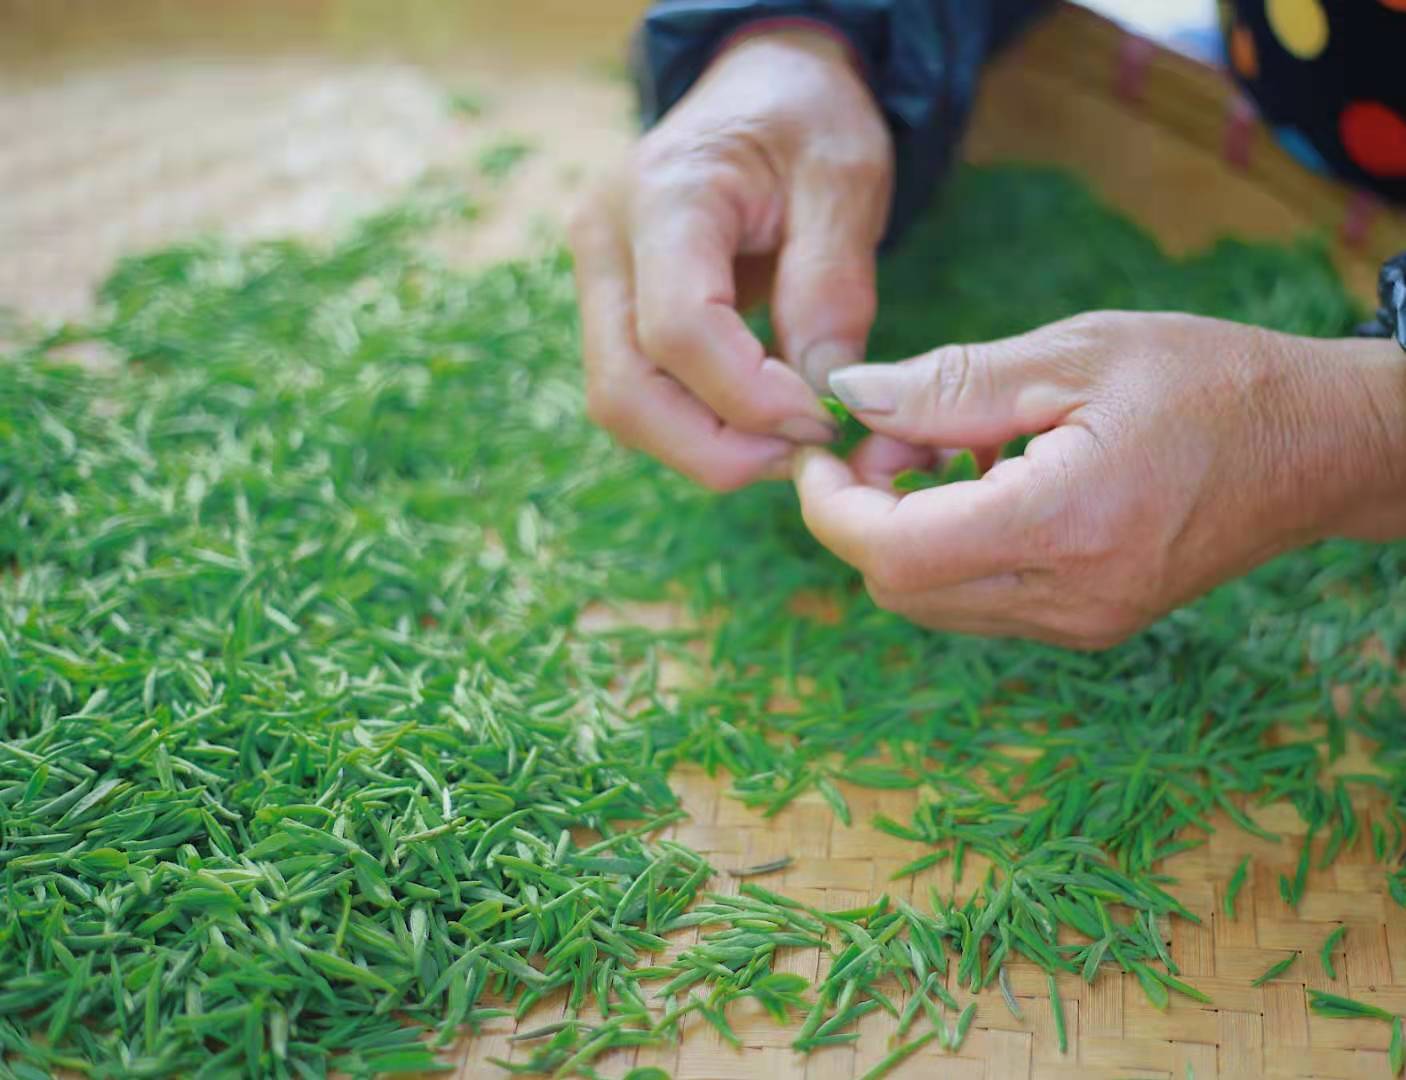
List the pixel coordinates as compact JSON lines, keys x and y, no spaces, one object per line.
{"x":746,"y":191}
{"x":1177,"y":452}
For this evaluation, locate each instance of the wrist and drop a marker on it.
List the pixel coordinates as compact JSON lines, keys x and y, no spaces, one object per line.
{"x":796,"y":35}
{"x":810,"y":42}
{"x":1356,"y":397}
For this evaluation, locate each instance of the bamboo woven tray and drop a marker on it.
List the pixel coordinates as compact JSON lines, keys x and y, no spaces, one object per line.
{"x":103,"y":154}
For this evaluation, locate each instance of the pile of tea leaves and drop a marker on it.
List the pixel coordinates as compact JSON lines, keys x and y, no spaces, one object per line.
{"x":308,"y":728}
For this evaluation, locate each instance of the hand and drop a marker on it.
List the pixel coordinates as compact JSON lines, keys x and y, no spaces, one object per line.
{"x":1177,"y":452}
{"x":772,"y":174}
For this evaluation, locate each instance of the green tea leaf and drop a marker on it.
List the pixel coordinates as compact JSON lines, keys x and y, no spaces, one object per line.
{"x":1276,"y":969}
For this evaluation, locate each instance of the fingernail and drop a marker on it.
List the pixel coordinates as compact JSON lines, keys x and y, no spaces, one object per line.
{"x":806,"y":429}
{"x":819,"y":360}
{"x":864,"y":388}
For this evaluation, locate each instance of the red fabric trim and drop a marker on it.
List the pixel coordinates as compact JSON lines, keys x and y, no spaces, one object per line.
{"x":1357,"y":221}
{"x":1240,"y":131}
{"x":1134,"y":55}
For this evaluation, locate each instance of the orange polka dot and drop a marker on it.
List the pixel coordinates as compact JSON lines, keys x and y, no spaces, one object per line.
{"x":1242,"y":52}
{"x":1300,"y":25}
{"x":1374,"y":136}
{"x":1395,"y":5}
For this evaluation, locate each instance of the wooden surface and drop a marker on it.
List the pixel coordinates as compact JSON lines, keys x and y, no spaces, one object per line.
{"x":109,"y":143}
{"x":1150,"y":130}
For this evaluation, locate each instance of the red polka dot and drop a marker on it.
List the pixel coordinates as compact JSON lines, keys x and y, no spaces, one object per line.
{"x":1374,"y":136}
{"x":1395,"y":5}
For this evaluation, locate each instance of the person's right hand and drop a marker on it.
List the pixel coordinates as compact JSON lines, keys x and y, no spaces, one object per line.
{"x":771,"y":177}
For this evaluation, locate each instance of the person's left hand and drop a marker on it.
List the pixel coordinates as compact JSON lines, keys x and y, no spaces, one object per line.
{"x":1177,"y":452}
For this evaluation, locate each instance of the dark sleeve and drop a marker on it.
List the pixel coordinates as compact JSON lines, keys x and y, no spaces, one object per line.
{"x":922,"y":59}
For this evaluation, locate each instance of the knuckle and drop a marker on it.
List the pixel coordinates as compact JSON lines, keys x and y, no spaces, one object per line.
{"x":720,"y":476}
{"x":956,"y":378}
{"x":1083,"y":532}
{"x":1092,"y":338}
{"x":1094,"y":326}
{"x":751,"y":413}
{"x":1098,"y":643}
{"x":1079,"y":336}
{"x":1110,"y":322}
{"x":665,"y":168}
{"x":587,"y":222}
{"x":662,"y":335}
{"x":1096,"y":540}
{"x":858,"y":164}
{"x":884,"y":597}
{"x":580,"y":224}
{"x":842,"y":281}
{"x":886,"y":573}
{"x":1086,"y":322}
{"x":1094,"y":629}
{"x":654,"y":154}
{"x":605,"y":405}
{"x":1094,"y":644}
{"x":676,"y":345}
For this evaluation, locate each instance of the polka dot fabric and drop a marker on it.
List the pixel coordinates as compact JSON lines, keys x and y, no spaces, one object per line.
{"x":1299,"y":26}
{"x":1330,"y":77}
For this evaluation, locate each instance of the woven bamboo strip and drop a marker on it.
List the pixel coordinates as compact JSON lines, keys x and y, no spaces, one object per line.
{"x":261,"y":145}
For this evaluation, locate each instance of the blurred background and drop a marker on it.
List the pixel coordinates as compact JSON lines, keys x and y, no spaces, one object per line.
{"x":125,"y":124}
{"x":129,"y":123}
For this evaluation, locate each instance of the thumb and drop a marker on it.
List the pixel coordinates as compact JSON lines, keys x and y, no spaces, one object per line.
{"x":966,"y":395}
{"x":824,"y":299}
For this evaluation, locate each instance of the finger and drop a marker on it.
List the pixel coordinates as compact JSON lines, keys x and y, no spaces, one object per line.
{"x":1006,"y":606}
{"x":934,"y":538}
{"x":970,"y":395}
{"x":638,"y":404}
{"x":878,"y":459}
{"x":833,"y":501}
{"x":673,"y":426}
{"x":986,"y":606}
{"x":687,"y":320}
{"x":825,"y":300}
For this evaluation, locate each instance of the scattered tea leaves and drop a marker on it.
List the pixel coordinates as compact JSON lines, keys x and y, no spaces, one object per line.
{"x":897,"y":1057}
{"x":964,"y":1023}
{"x":775,"y":866}
{"x":960,"y":467}
{"x":1004,"y":982}
{"x":1237,"y":882}
{"x":500,"y":160}
{"x":468,"y":104}
{"x":307,"y":726}
{"x":1057,"y":1009}
{"x":1276,"y":969}
{"x":1337,"y":1007}
{"x":1326,"y":955}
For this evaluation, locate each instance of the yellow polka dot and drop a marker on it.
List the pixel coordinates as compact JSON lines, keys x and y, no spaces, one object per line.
{"x":1300,"y":25}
